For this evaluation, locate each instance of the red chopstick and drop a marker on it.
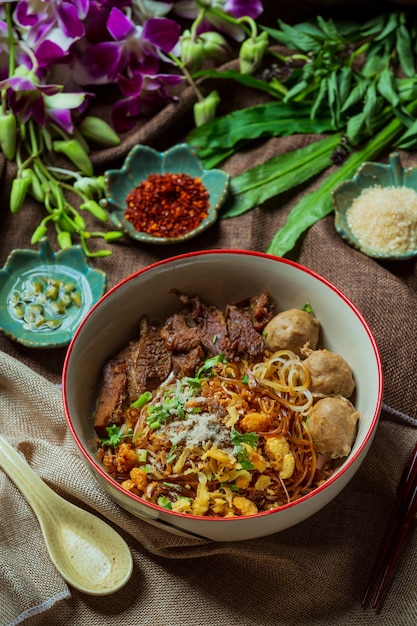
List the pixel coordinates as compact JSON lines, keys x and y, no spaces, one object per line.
{"x":402,"y":514}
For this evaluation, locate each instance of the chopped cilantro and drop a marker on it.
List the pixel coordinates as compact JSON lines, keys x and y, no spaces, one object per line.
{"x":245,"y":379}
{"x":115,"y":435}
{"x":244,"y":461}
{"x":238,"y":438}
{"x":307,"y":308}
{"x":242,"y":455}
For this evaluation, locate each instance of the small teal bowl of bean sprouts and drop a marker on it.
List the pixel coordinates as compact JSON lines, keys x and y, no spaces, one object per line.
{"x":45,"y":295}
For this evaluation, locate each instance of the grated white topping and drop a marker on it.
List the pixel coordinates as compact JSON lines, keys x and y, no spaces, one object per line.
{"x":199,"y":429}
{"x":384,"y":219}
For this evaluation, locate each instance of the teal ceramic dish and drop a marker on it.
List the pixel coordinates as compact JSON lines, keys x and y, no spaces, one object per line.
{"x":45,"y":295}
{"x":141,"y":162}
{"x":367,"y":176}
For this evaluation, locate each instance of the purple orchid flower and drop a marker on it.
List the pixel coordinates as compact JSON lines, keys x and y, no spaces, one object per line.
{"x":30,"y":100}
{"x":145,"y":94}
{"x":132,"y":48}
{"x":59,"y":22}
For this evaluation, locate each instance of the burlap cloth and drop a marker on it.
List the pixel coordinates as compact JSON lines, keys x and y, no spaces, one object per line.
{"x":313,"y":573}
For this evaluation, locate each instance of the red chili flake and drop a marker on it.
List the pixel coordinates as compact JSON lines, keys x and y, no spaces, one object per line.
{"x":167,"y":205}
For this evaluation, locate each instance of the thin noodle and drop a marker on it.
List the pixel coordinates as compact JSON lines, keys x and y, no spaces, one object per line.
{"x":192,"y":461}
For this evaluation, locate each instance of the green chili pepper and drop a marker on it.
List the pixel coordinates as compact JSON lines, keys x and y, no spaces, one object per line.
{"x":74,"y":151}
{"x":252,"y":52}
{"x":99,"y":131}
{"x":113,"y":235}
{"x":8,"y":131}
{"x":36,"y":189}
{"x":79,"y":221}
{"x":205,"y":110}
{"x":64,"y":239}
{"x":65,"y":222}
{"x":38,"y":233}
{"x":95,"y":209}
{"x":18,"y":193}
{"x":215,"y":46}
{"x":191,"y":51}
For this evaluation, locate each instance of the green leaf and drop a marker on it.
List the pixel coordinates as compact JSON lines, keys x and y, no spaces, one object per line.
{"x":371,"y":103}
{"x":329,"y":29}
{"x":352,"y":30}
{"x":212,"y":160}
{"x":390,"y":26}
{"x":405,"y":51}
{"x":333,"y":98}
{"x":296,"y":91}
{"x":270,"y":119}
{"x":344,"y":78}
{"x":304,"y":37}
{"x":373,"y":66}
{"x":355,"y":127}
{"x":387,"y":87}
{"x":356,"y":95}
{"x":319,"y":99}
{"x":408,"y":140}
{"x":407,"y":89}
{"x":279,"y":174}
{"x":317,"y":204}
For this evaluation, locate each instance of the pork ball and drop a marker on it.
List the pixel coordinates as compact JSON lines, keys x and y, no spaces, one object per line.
{"x":293,"y":329}
{"x":333,"y":424}
{"x":330,"y":374}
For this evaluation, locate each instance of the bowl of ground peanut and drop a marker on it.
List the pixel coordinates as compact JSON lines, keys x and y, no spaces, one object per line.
{"x":164,"y":197}
{"x":376,"y":211}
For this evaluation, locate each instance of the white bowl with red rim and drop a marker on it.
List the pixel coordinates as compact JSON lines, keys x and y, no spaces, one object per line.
{"x":220,"y":277}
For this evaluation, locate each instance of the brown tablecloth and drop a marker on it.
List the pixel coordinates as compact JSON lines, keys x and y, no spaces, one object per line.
{"x":314,"y":573}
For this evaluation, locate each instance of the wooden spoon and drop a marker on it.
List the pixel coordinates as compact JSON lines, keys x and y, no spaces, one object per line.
{"x":88,"y":553}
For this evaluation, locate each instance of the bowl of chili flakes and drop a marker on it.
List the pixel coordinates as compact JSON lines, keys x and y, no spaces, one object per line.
{"x":164,"y":197}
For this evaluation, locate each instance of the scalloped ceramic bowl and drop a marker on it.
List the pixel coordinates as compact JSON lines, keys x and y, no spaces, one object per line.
{"x":143,"y":161}
{"x":219,"y":277}
{"x":369,"y":175}
{"x":26,"y":268}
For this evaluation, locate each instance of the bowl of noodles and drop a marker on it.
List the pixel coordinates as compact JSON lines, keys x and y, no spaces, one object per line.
{"x":214,"y":395}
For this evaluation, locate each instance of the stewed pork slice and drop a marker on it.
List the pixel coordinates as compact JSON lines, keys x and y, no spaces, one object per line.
{"x":332,"y":423}
{"x":293,"y":329}
{"x":330,"y":374}
{"x":113,"y":392}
